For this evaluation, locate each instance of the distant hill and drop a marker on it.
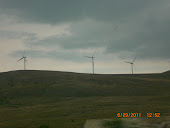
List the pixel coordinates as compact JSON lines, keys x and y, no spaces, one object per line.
{"x":167,"y":72}
{"x":34,"y":83}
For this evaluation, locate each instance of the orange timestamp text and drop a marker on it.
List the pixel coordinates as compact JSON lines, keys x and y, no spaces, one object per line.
{"x":129,"y":114}
{"x":137,"y":115}
{"x":153,"y":114}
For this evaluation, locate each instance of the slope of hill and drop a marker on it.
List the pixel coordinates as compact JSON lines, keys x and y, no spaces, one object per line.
{"x":49,"y":83}
{"x":67,"y":100}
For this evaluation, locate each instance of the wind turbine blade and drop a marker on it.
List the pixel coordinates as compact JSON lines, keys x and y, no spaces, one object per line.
{"x":94,"y":53}
{"x":134,"y":66}
{"x":20,"y":59}
{"x":88,"y":56}
{"x":127,"y":62}
{"x":134,"y":60}
{"x":26,"y":60}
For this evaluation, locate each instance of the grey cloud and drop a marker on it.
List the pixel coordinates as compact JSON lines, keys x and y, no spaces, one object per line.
{"x":137,"y":27}
{"x":54,"y":11}
{"x":15,"y":35}
{"x":144,"y":41}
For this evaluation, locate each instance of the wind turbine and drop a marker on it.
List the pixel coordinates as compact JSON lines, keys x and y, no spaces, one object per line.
{"x":92,"y":58}
{"x":132,"y":64}
{"x":25,"y":61}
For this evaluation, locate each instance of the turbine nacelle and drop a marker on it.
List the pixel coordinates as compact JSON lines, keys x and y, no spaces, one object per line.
{"x":129,"y":62}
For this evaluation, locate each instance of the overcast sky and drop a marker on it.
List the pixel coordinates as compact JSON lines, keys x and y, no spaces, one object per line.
{"x":57,"y":34}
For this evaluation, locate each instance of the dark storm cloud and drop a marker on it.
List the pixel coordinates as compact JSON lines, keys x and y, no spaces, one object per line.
{"x":53,"y":11}
{"x":120,"y":26}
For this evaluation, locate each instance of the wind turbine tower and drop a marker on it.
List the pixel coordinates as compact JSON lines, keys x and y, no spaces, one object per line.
{"x":92,"y":58}
{"x":132,"y":64}
{"x":25,"y":61}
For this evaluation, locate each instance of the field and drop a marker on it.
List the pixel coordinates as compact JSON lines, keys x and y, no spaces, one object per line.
{"x":30,"y":99}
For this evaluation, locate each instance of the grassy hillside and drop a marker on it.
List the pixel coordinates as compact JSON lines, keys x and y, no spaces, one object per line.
{"x":66,"y":100}
{"x":46,"y":83}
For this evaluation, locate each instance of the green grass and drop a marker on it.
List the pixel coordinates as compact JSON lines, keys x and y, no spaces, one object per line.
{"x":67,"y":100}
{"x":44,"y":126}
